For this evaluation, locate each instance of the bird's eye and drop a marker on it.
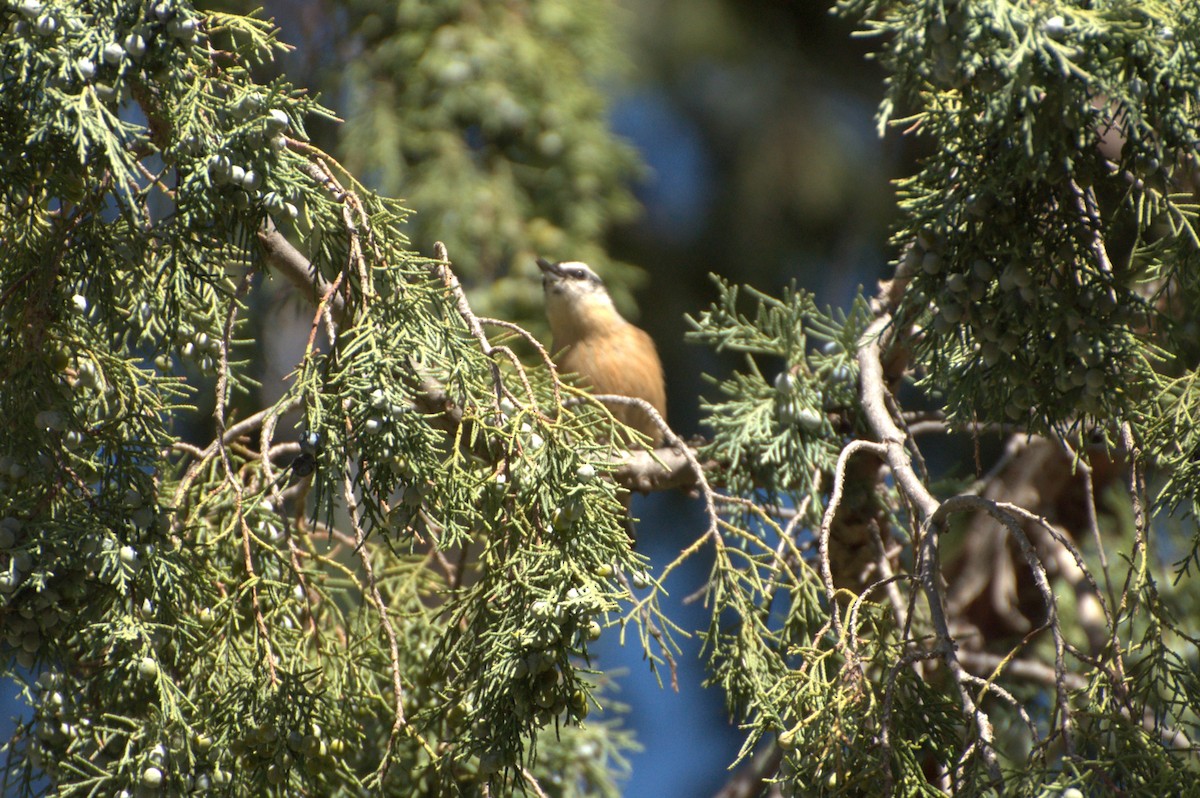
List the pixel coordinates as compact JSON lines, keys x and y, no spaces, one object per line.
{"x":577,"y":274}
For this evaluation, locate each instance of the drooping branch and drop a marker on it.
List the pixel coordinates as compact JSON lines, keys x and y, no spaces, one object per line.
{"x":990,"y":666}
{"x":835,"y":500}
{"x":1012,"y":524}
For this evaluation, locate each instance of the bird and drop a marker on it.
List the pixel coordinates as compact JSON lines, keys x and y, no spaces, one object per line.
{"x":592,"y":340}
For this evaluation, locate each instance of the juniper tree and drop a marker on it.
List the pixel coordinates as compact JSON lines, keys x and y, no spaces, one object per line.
{"x":397,"y":594}
{"x":1029,"y":629}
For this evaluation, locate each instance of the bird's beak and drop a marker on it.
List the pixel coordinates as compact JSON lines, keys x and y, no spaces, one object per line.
{"x":548,"y":268}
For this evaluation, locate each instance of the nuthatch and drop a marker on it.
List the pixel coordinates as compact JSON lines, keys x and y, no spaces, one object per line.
{"x":593,"y":341}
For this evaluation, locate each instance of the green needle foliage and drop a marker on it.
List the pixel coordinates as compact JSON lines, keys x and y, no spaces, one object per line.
{"x":398,"y":595}
{"x":488,"y":118}
{"x":1055,"y":211}
{"x":387,"y":580}
{"x":1046,"y":277}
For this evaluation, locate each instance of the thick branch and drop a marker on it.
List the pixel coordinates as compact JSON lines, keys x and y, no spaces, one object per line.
{"x":657,"y":469}
{"x":291,"y":264}
{"x":874,"y":395}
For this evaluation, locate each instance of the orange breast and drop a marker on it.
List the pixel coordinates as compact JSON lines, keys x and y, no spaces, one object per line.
{"x":624,"y":363}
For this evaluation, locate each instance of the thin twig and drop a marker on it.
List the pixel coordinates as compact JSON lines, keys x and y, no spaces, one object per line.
{"x":532,"y":781}
{"x":1064,"y":542}
{"x":993,"y":666}
{"x":221,"y":389}
{"x":443,"y":271}
{"x":888,"y":577}
{"x":252,"y":579}
{"x":835,"y":501}
{"x":989,"y":686}
{"x":885,"y":721}
{"x":856,"y":605}
{"x":651,"y":628}
{"x":1041,"y":579}
{"x":399,"y":722}
{"x":1083,"y":464}
{"x":787,"y":536}
{"x":1085,"y":201}
{"x":547,"y":361}
{"x":676,"y":443}
{"x":1012,"y":447}
{"x":233,"y":432}
{"x":1137,"y":558}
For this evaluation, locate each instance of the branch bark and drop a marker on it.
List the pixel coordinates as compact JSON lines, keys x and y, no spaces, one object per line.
{"x":291,"y":264}
{"x":874,"y":396}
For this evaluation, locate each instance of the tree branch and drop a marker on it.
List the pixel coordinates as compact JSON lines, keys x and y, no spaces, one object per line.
{"x":665,"y":468}
{"x":874,"y":394}
{"x":291,"y":264}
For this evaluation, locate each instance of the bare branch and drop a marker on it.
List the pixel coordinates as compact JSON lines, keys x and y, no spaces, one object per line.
{"x":675,"y":442}
{"x":992,"y":666}
{"x":1010,"y":522}
{"x":547,"y":361}
{"x":290,"y":263}
{"x":1083,"y":464}
{"x":835,"y":501}
{"x":532,"y":781}
{"x":657,"y":469}
{"x":875,"y":407}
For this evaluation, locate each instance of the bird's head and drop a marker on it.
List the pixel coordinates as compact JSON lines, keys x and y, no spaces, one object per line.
{"x":569,"y":279}
{"x":576,"y":298}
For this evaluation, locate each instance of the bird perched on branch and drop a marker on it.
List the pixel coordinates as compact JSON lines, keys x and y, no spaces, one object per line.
{"x":593,"y":341}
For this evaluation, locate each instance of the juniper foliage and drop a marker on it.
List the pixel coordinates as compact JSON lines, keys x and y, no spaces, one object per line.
{"x":880,"y":624}
{"x":489,"y":118}
{"x":398,"y":595}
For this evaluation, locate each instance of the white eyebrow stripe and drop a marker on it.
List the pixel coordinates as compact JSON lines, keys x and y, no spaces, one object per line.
{"x":577,"y":270}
